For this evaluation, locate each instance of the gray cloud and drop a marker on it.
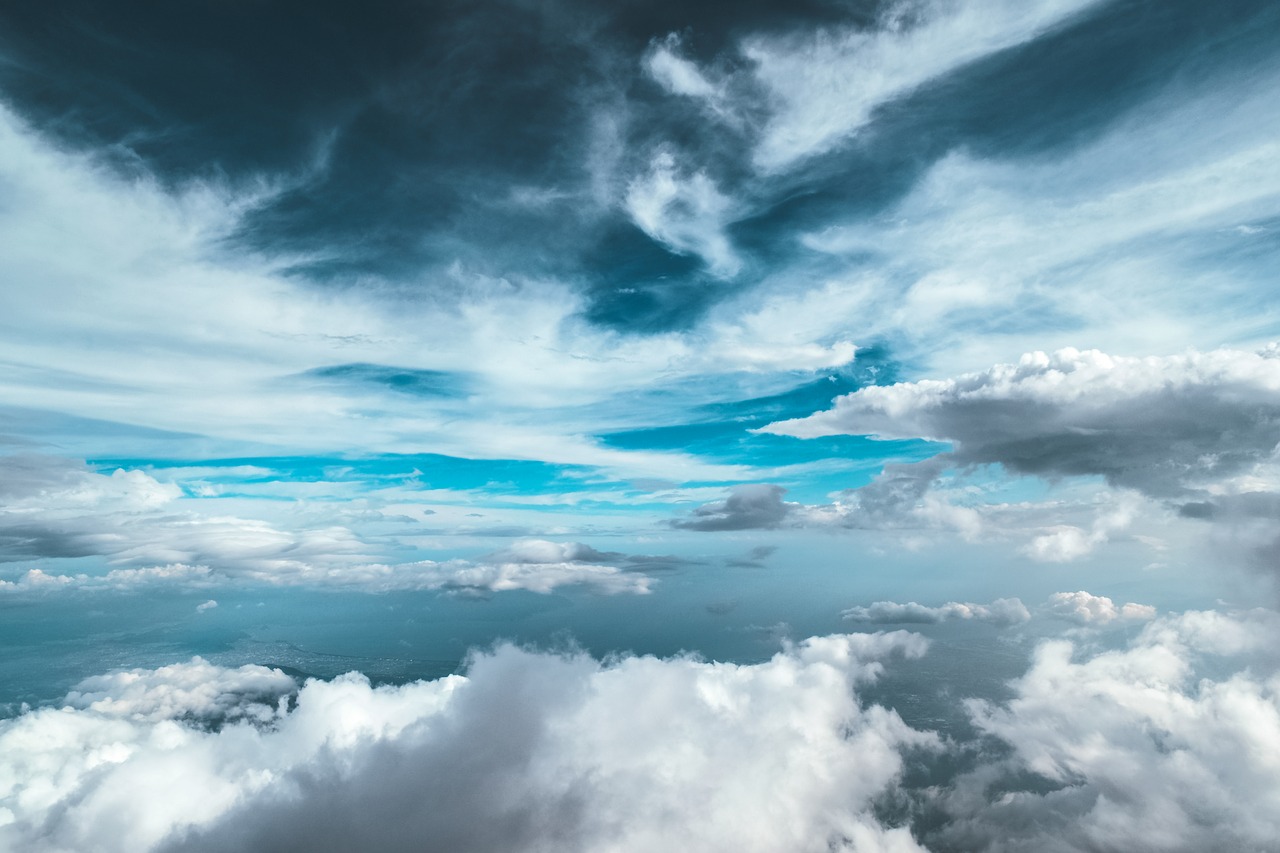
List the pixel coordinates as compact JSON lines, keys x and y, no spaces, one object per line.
{"x":751,"y":507}
{"x":1166,"y":427}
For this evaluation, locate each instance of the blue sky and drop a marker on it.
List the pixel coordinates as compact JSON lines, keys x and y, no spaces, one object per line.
{"x":367,"y":339}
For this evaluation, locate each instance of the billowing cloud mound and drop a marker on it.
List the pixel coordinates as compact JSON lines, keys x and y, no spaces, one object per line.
{"x":1002,"y":611}
{"x":527,"y":752}
{"x":1137,"y":749}
{"x":1163,"y":426}
{"x":750,"y":507}
{"x":1167,"y":744}
{"x":196,"y":690}
{"x":1086,"y":608}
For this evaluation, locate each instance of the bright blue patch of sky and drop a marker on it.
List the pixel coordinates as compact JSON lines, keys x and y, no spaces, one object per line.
{"x":426,"y":470}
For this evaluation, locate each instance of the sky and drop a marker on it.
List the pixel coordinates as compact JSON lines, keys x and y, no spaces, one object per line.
{"x":512,"y":426}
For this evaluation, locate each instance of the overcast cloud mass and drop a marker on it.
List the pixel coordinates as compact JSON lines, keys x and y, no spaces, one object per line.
{"x":461,"y":426}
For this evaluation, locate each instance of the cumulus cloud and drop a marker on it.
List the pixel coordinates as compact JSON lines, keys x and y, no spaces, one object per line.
{"x":56,"y":508}
{"x":1165,"y":744}
{"x":1002,"y":611}
{"x":544,"y":551}
{"x":1196,"y":432}
{"x":197,"y":690}
{"x":1088,"y":609}
{"x":1065,"y":542}
{"x":750,"y":507}
{"x":1164,"y":426}
{"x":1151,"y":747}
{"x":898,"y":498}
{"x":39,"y":581}
{"x":528,"y":751}
{"x":464,"y":576}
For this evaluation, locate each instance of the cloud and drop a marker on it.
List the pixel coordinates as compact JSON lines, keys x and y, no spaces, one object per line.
{"x":676,"y":74}
{"x":460,"y":575}
{"x":544,"y":551}
{"x":824,"y":85}
{"x":750,"y":507}
{"x":56,"y":508}
{"x":1090,"y":609}
{"x":196,"y":691}
{"x":528,"y":751}
{"x":39,"y":582}
{"x":1065,"y":542}
{"x":898,"y":498}
{"x":466,"y":576}
{"x":1168,"y":744}
{"x":902,"y":496}
{"x":208,"y":605}
{"x":1163,"y":744}
{"x":1002,"y":611}
{"x":687,"y":214}
{"x":1164,"y":426}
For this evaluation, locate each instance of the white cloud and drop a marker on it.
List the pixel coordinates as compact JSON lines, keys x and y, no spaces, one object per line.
{"x":39,"y":581}
{"x":1002,"y":611}
{"x":197,"y":690}
{"x":1142,"y":747}
{"x":677,"y":74}
{"x":260,"y":334}
{"x":207,"y":605}
{"x":451,"y":575}
{"x":687,"y":213}
{"x":1168,"y":744}
{"x":1065,"y":542}
{"x":824,"y":86}
{"x":59,"y":509}
{"x":461,"y":575}
{"x":527,"y":752}
{"x":1087,"y":609}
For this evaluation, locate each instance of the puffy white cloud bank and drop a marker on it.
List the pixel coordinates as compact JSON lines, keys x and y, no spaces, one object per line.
{"x":1086,"y":608}
{"x":1168,"y":744}
{"x":529,"y":751}
{"x":1002,"y":611}
{"x":1147,"y":748}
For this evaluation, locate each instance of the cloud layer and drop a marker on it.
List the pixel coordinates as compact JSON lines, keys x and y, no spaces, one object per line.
{"x":1165,"y":744}
{"x":529,"y":751}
